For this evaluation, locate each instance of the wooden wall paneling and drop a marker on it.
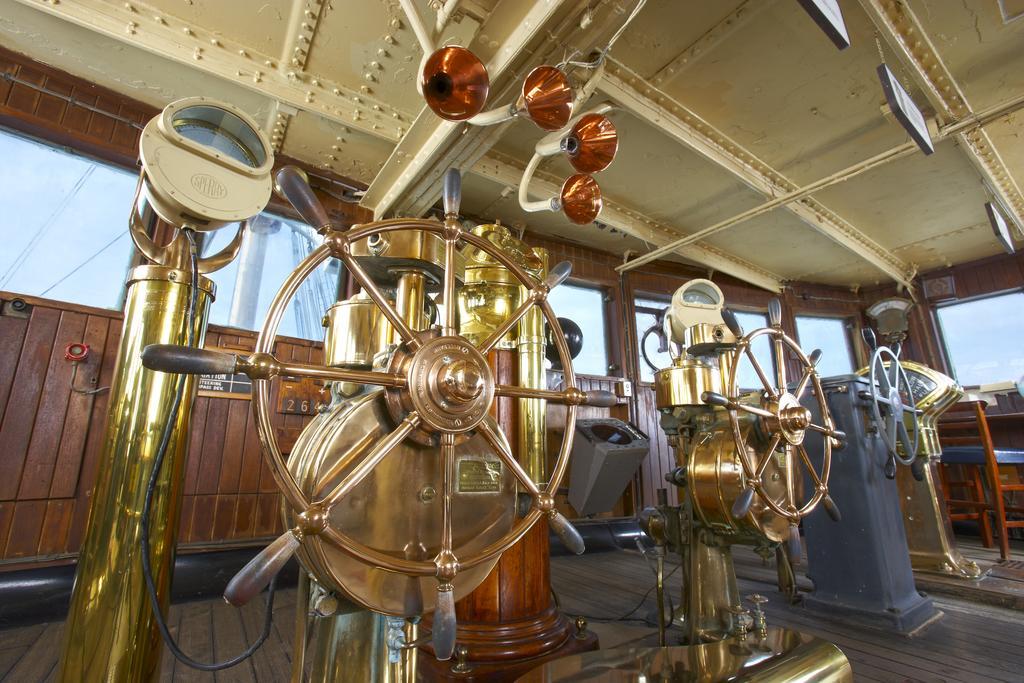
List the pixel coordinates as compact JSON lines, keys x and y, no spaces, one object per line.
{"x":56,"y":524}
{"x":77,"y":421}
{"x":87,"y":471}
{"x":23,"y":400}
{"x":194,"y":456}
{"x":6,"y":517}
{"x":245,"y":516}
{"x":252,"y":457}
{"x":202,"y":519}
{"x":212,"y":453}
{"x":44,"y":443}
{"x":188,"y":505}
{"x":25,"y":528}
{"x":233,"y":446}
{"x":268,"y":518}
{"x":12,"y":337}
{"x":47,"y":116}
{"x":224,"y":516}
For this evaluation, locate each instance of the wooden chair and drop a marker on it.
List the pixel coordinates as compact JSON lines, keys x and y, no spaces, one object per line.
{"x":967,"y":443}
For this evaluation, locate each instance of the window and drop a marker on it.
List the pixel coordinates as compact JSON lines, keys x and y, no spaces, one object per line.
{"x":983,"y":338}
{"x":64,"y":225}
{"x":585,"y":307}
{"x":829,"y":335}
{"x":245,"y":287}
{"x":646,"y":313}
{"x":762,"y":349}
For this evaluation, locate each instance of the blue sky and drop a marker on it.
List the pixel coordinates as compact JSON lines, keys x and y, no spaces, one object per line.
{"x":66,"y":212}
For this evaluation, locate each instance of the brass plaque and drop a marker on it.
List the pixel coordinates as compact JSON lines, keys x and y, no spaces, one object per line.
{"x":479,"y":476}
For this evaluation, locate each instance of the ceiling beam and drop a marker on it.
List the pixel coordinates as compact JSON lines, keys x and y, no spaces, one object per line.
{"x":414,"y":169}
{"x":904,"y":34}
{"x":508,"y":171}
{"x":714,"y":36}
{"x":149,"y":29}
{"x":668,"y":115}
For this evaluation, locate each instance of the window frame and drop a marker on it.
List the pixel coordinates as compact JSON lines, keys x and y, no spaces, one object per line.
{"x":612,"y":337}
{"x":938,"y":331}
{"x":106,"y":157}
{"x":637,"y":358}
{"x":851,"y":328}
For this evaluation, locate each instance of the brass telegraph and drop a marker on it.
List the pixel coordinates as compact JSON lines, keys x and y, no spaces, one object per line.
{"x":739,"y":455}
{"x":929,"y":531}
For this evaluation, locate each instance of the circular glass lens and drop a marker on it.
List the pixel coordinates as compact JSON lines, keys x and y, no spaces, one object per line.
{"x":221,"y":130}
{"x":700,"y":295}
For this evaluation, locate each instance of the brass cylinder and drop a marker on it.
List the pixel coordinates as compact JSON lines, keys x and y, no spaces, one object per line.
{"x":353,"y":647}
{"x":410,"y":297}
{"x":356,"y":331}
{"x":110,"y":633}
{"x":533,"y":411}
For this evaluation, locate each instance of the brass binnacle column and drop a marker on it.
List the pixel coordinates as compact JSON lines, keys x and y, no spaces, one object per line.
{"x":533,"y":411}
{"x":111,"y":633}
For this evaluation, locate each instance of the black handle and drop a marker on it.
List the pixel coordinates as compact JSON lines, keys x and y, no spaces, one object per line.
{"x":567,"y":533}
{"x":741,"y":506}
{"x":254,"y":576}
{"x":793,"y":546}
{"x":917,"y":468}
{"x":890,"y":467}
{"x":445,"y":626}
{"x":292,"y":183}
{"x":601,"y":399}
{"x":732,"y":323}
{"x":186,"y":360}
{"x":869,"y":338}
{"x":775,"y":313}
{"x":558,"y":274}
{"x":452,"y":197}
{"x":831,"y":508}
{"x":713,"y":398}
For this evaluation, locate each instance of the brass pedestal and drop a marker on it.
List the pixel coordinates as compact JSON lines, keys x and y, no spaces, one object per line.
{"x":929,"y":532}
{"x":110,"y":633}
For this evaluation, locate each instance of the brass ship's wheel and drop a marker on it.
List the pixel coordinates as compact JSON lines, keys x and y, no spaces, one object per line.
{"x":439,"y":390}
{"x":891,"y":402}
{"x":781,"y":417}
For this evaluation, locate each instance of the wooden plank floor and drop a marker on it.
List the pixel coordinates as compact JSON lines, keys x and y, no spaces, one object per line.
{"x":971,"y":643}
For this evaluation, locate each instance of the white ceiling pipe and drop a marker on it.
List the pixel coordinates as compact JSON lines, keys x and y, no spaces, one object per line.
{"x":553,"y":143}
{"x":551,"y":204}
{"x":422,"y":35}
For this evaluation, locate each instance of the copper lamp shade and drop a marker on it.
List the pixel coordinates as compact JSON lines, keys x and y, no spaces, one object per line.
{"x":454,"y":83}
{"x":581,"y":198}
{"x":548,"y":97}
{"x":592,"y":143}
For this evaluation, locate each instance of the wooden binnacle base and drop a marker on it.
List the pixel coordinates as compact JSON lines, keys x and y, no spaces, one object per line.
{"x":510,"y":623}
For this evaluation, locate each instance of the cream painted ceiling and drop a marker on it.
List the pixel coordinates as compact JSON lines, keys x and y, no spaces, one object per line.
{"x":720,"y":105}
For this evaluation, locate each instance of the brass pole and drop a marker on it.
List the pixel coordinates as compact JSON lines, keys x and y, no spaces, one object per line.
{"x":410,"y":298}
{"x":111,"y":633}
{"x":532,"y":411}
{"x":352,"y":647}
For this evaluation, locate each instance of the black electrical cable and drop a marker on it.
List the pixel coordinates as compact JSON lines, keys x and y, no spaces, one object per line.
{"x":165,"y":439}
{"x":627,"y":615}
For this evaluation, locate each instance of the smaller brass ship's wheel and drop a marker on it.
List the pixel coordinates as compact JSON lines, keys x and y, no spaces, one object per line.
{"x":439,"y":390}
{"x":782,"y":418}
{"x":891,"y":403}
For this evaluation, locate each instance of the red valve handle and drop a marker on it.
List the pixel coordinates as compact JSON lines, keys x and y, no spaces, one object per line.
{"x":76,"y":352}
